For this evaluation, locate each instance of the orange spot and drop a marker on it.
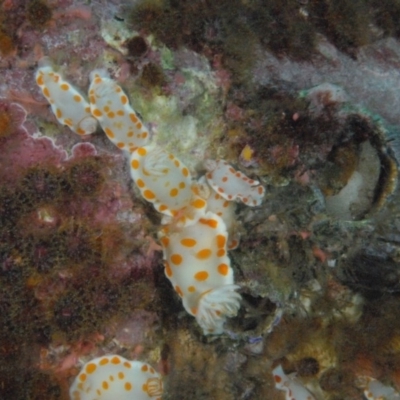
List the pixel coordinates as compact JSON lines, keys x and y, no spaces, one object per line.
{"x":111,"y":378}
{"x":82,"y":377}
{"x":39,"y":80}
{"x":149,"y":195}
{"x":201,"y":276}
{"x":135,"y":164}
{"x":177,"y":163}
{"x":97,"y":80}
{"x":64,"y":86}
{"x":115,"y":360}
{"x":111,"y":114}
{"x":260,"y":190}
{"x":90,"y":368}
{"x":179,"y":291}
{"x":152,"y":370}
{"x":173,"y":192}
{"x":165,"y":241}
{"x":144,"y":135}
{"x":221,"y":252}
{"x":124,"y":99}
{"x":221,"y":190}
{"x":185,"y":171}
{"x":58,"y":113}
{"x":223,"y":269}
{"x":104,"y":361}
{"x":97,"y":113}
{"x":98,"y":391}
{"x":120,"y":113}
{"x":221,"y":240}
{"x":121,"y":375}
{"x":144,"y":368}
{"x":109,"y":133}
{"x":142,"y":151}
{"x":133,"y":118}
{"x":277,"y":379}
{"x":212,"y":223}
{"x":203,"y":254}
{"x":168,"y":270}
{"x":92,"y":99}
{"x":238,"y":174}
{"x":128,"y":386}
{"x":226,"y":204}
{"x":224,"y":179}
{"x":176,"y":259}
{"x":139,"y":126}
{"x":80,"y":131}
{"x":120,"y":145}
{"x":46,"y":92}
{"x":129,"y":134}
{"x":162,"y":208}
{"x":106,"y":109}
{"x":198,"y":203}
{"x":193,"y":310}
{"x":77,"y":98}
{"x":188,"y":242}
{"x":87,"y":109}
{"x":127,"y":364}
{"x":140,"y":183}
{"x":182,"y":185}
{"x":118,"y":90}
{"x":68,"y":122}
{"x":191,"y":289}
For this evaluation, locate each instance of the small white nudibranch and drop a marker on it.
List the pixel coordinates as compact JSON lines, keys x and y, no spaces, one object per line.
{"x":110,"y":105}
{"x":113,"y":377}
{"x":232,"y":184}
{"x":294,"y":389}
{"x":68,"y":105}
{"x":197,"y":265}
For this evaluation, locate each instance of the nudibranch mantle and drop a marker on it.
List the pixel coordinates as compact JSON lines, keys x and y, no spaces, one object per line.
{"x":114,"y":377}
{"x":167,"y":183}
{"x":110,"y":105}
{"x":289,"y":384}
{"x":197,"y":265}
{"x":232,"y":184}
{"x":68,"y":105}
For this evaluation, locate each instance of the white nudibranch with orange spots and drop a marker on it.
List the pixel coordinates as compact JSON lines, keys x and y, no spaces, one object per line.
{"x":68,"y":105}
{"x":110,"y":105}
{"x":197,"y":264}
{"x":114,"y":377}
{"x":294,"y":389}
{"x":166,"y":182}
{"x":232,"y":184}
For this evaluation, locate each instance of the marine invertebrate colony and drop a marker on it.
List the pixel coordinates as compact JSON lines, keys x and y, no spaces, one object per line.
{"x":195,"y":242}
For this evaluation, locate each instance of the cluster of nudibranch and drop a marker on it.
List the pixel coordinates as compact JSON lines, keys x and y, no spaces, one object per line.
{"x":197,"y":219}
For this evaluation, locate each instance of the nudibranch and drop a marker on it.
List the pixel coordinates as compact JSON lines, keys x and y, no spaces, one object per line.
{"x":114,"y":377}
{"x":376,"y":390}
{"x":167,"y":183}
{"x":232,"y":184}
{"x":197,"y":265}
{"x":110,"y":105}
{"x":289,"y":384}
{"x":223,"y":208}
{"x":68,"y":105}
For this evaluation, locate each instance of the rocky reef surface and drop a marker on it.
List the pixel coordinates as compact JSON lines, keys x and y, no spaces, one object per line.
{"x":301,"y":95}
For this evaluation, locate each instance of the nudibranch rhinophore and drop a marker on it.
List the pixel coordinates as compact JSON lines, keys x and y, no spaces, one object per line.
{"x":113,"y":377}
{"x":232,"y":184}
{"x":68,"y":105}
{"x":293,"y":388}
{"x":110,"y":105}
{"x":197,"y":265}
